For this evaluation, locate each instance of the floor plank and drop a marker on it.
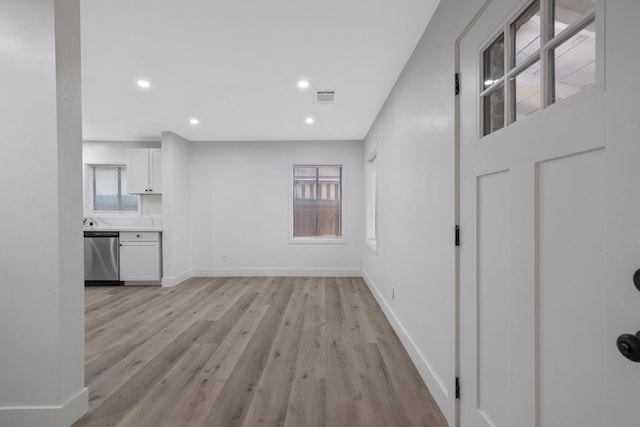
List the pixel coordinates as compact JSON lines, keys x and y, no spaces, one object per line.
{"x":308,"y":400}
{"x":152,"y":409}
{"x":277,"y":351}
{"x":230,"y":408}
{"x":269,"y":406}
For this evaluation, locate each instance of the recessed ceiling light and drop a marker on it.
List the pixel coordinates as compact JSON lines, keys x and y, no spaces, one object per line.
{"x":194,"y":121}
{"x":145,"y":84}
{"x":303,"y":84}
{"x":308,"y":120}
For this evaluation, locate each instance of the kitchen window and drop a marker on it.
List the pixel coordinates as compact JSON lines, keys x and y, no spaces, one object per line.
{"x":317,"y":203}
{"x":107,"y":185}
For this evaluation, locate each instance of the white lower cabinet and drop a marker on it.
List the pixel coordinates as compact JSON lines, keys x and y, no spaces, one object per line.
{"x":140,"y":256}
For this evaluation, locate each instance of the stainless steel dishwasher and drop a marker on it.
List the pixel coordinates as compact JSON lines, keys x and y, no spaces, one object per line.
{"x":101,"y":258}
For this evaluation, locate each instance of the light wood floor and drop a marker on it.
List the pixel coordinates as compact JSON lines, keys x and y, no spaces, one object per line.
{"x":248,"y":352}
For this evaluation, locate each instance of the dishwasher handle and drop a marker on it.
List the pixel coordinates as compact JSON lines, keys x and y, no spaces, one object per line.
{"x":101,"y":234}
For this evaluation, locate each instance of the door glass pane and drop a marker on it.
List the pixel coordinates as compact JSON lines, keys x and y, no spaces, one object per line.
{"x":106,"y":188}
{"x":575,"y":63}
{"x":493,"y":111}
{"x":493,"y":62}
{"x":566,"y":12}
{"x":525,"y":33}
{"x":526,"y":92}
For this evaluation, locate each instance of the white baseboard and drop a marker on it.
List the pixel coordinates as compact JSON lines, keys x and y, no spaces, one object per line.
{"x":47,"y":416}
{"x":75,"y":407}
{"x":270,"y":272}
{"x":171,"y":281}
{"x":143,"y":283}
{"x":434,"y":383}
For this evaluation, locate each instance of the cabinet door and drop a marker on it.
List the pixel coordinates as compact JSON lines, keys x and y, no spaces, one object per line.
{"x":138,"y":171}
{"x":139,"y":261}
{"x":155,"y":170}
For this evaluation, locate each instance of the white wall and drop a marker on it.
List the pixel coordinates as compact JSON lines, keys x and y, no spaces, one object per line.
{"x":240,"y":209}
{"x":414,"y":135}
{"x":115,"y":153}
{"x":176,"y":194}
{"x":42,"y":290}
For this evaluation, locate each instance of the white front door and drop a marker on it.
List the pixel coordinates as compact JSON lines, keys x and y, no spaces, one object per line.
{"x":550,"y":224}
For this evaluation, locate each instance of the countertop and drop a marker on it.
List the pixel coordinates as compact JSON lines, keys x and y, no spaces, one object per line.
{"x":123,"y":228}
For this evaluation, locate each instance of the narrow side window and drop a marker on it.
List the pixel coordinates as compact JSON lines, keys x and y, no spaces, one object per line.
{"x":371,"y":200}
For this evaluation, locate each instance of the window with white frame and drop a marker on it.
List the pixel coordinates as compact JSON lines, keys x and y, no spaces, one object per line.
{"x":317,"y":201}
{"x":371,"y":181}
{"x":545,"y":54}
{"x":107,"y":189}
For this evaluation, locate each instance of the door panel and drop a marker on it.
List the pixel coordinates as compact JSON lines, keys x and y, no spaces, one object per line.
{"x":492,"y":300}
{"x":571,"y":313}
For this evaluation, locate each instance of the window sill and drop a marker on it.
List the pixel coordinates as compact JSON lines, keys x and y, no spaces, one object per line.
{"x":318,"y":240}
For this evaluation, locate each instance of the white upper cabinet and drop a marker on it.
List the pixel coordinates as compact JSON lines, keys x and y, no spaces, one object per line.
{"x":155,"y":170}
{"x":138,"y":171}
{"x":144,"y":170}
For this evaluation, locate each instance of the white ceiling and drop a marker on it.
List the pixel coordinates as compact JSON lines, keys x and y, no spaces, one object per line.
{"x":234,"y":65}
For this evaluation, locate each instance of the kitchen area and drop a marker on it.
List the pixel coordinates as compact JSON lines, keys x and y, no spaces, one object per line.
{"x":122,"y":223}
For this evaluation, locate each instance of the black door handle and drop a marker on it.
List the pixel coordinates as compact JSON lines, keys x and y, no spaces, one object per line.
{"x":636,"y":279}
{"x":629,"y":346}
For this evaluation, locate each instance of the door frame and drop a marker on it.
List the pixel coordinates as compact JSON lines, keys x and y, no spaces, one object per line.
{"x":457,"y":171}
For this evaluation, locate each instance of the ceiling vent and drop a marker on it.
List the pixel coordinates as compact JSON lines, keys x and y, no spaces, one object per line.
{"x":325,"y":96}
